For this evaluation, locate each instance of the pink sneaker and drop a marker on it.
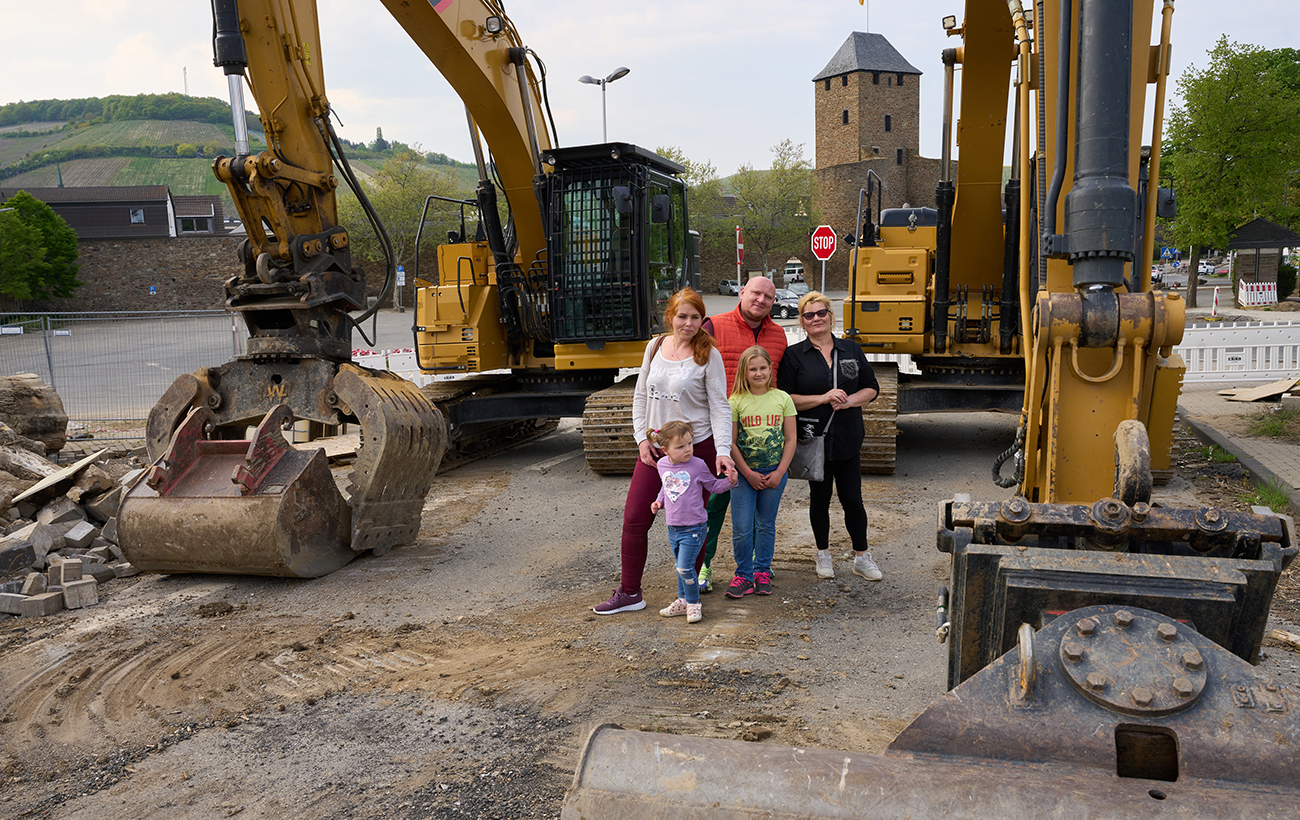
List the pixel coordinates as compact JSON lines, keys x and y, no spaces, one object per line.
{"x":694,"y":613}
{"x":677,"y":607}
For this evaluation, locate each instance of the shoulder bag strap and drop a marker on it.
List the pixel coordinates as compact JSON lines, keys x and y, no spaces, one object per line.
{"x":835,"y":382}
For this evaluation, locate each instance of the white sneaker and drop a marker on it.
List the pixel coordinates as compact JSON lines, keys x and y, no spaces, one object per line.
{"x":694,"y":613}
{"x":677,"y":607}
{"x":825,"y":564}
{"x":864,"y":565}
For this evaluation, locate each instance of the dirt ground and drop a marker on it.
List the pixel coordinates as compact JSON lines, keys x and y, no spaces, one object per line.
{"x":459,"y":677}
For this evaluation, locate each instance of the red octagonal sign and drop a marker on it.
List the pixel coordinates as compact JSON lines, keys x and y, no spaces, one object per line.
{"x":823,"y":242}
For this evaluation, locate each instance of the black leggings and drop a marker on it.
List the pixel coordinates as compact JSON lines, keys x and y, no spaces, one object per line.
{"x":847,"y":475}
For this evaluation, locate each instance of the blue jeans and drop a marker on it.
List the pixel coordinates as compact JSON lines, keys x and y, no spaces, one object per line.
{"x":687,"y":540}
{"x":753,"y":524}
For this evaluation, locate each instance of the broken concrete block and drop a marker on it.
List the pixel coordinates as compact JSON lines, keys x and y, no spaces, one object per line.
{"x":125,"y":569}
{"x":104,"y":506}
{"x":37,"y":606}
{"x":16,"y":555}
{"x":1291,"y":401}
{"x":117,"y":552}
{"x":11,"y":603}
{"x":80,"y":536}
{"x":33,"y":584}
{"x":60,"y":510}
{"x":102,"y":573}
{"x":91,"y":481}
{"x":109,"y":532}
{"x":77,"y":594}
{"x":100,"y":555}
{"x":14,"y":586}
{"x":43,"y":538}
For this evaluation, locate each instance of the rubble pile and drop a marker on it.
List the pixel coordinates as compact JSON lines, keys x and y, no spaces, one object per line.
{"x":59,"y":527}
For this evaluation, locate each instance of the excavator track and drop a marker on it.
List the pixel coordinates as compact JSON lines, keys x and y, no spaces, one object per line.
{"x":607,"y":430}
{"x":468,"y":445}
{"x":881,"y":421}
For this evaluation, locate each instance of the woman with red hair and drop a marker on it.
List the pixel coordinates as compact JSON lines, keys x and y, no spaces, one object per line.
{"x":682,"y":379}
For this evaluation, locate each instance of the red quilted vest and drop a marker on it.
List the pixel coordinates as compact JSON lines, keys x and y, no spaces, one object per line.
{"x":734,"y":336}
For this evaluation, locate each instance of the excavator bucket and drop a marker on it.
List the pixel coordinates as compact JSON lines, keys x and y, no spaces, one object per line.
{"x":263,"y":507}
{"x":259,"y":507}
{"x":1107,"y":712}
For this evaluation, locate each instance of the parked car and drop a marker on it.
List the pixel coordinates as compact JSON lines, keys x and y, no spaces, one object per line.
{"x":797,"y":288}
{"x":728,"y":287}
{"x":786,"y":305}
{"x":1157,"y":275}
{"x":1205,"y":267}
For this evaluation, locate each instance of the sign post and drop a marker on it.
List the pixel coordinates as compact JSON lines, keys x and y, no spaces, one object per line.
{"x":823,"y":247}
{"x":740,"y":255}
{"x":401,"y":280}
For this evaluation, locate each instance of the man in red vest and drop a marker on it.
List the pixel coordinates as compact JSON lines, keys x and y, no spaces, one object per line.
{"x":736,"y":331}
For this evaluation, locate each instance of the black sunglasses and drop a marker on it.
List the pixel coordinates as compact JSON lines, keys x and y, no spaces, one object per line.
{"x":816,"y":314}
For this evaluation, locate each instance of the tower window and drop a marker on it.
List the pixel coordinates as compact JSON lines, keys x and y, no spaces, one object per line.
{"x":900,"y":79}
{"x":844,"y":80}
{"x":889,"y":123}
{"x":875,"y":78}
{"x":875,"y":149}
{"x":828,"y":83}
{"x":845,"y":118}
{"x":899,"y":157}
{"x":889,"y":81}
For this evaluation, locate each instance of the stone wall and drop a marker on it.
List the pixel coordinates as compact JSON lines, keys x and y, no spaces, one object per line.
{"x":864,"y":136}
{"x":186,"y":273}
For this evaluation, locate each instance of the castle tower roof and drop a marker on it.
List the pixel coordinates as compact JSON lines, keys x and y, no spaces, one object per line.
{"x":864,"y":51}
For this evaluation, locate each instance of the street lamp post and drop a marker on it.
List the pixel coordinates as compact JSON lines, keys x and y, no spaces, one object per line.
{"x":617,"y":73}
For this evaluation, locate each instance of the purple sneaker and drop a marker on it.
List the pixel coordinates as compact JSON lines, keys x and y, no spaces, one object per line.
{"x":762,"y":583}
{"x":620,"y":601}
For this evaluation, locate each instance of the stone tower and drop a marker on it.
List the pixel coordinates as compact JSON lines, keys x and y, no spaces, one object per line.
{"x":868,"y":112}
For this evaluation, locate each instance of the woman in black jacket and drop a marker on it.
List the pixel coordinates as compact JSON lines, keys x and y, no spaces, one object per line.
{"x":830,"y":380}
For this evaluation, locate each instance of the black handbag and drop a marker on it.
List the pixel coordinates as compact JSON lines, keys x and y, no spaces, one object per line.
{"x":809,"y":462}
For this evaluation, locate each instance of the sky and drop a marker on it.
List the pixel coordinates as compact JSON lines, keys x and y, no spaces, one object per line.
{"x":723,"y":80}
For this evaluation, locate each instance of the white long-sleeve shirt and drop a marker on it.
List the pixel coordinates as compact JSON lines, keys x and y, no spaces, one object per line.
{"x":683,"y":391}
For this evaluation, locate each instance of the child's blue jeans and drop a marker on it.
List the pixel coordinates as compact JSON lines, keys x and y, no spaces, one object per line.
{"x":687,"y":540}
{"x":753,"y":524}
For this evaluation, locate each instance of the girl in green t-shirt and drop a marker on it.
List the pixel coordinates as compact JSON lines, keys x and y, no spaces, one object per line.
{"x":763,"y":424}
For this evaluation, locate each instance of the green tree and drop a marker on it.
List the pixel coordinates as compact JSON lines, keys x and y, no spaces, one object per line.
{"x":397,"y":193}
{"x":1232,"y":147}
{"x":56,"y":273}
{"x":775,"y":207}
{"x":21,"y":256}
{"x":380,"y":144}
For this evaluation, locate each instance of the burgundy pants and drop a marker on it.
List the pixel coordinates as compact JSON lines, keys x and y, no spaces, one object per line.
{"x":637,"y":519}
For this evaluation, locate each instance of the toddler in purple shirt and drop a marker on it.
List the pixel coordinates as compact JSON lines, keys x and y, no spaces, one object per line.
{"x":685,"y":479}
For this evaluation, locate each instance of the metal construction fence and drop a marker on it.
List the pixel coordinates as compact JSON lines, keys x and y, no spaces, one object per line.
{"x":114,"y":366}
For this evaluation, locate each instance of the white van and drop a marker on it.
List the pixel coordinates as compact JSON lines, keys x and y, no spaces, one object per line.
{"x":793,"y":271}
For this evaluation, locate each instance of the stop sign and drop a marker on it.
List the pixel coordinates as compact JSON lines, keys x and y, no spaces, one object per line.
{"x":823,"y":242}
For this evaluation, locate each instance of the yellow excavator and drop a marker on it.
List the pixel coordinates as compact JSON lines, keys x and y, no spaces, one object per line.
{"x":1101,"y":646}
{"x":537,"y":313}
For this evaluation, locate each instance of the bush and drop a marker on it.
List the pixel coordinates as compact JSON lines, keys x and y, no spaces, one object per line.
{"x":1286,"y":276}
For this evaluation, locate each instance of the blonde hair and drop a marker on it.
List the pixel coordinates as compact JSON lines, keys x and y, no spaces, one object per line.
{"x":810,"y":297}
{"x":702,"y":343}
{"x":670,"y":432}
{"x":741,"y":383}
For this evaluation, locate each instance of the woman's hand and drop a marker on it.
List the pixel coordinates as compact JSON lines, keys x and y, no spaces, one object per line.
{"x":649,"y":457}
{"x":723,"y":464}
{"x":836,"y":398}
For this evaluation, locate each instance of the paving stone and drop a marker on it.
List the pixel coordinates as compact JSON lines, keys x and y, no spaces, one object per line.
{"x":125,"y":569}
{"x":77,"y":594}
{"x":101,"y":555}
{"x":60,"y":510}
{"x":34,"y":583}
{"x":70,"y":570}
{"x":102,"y":573}
{"x":104,"y":506}
{"x":80,"y":536}
{"x":36,"y":606}
{"x":26,"y":509}
{"x":129,"y":479}
{"x":117,"y":552}
{"x":109,"y":532}
{"x":11,"y":603}
{"x":15,"y":586}
{"x":16,"y":556}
